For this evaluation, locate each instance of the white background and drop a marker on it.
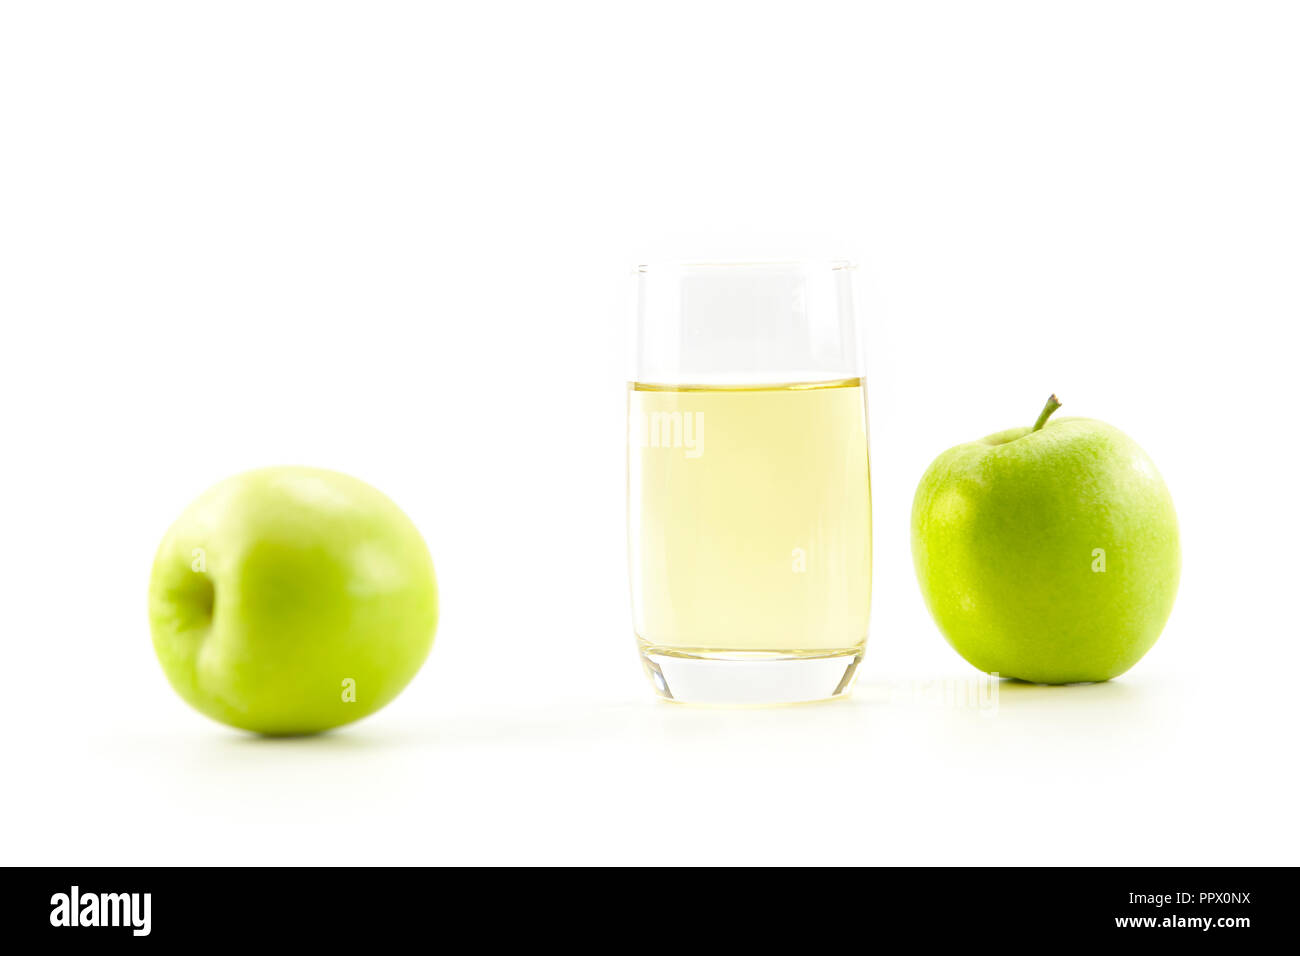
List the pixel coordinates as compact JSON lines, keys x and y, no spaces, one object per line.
{"x":394,"y":239}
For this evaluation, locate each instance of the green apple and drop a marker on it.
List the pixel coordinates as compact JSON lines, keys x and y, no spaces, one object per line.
{"x":292,"y":600}
{"x":1048,"y":553}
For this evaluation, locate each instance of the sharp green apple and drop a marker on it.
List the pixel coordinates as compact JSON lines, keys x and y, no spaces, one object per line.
{"x":292,"y":600}
{"x":1047,"y":553}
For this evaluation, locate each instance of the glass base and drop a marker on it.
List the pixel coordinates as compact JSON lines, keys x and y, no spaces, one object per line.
{"x":752,"y":678}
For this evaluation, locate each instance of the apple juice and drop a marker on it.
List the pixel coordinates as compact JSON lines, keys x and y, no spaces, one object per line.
{"x":749,"y":519}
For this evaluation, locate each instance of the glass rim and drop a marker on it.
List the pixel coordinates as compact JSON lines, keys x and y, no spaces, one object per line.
{"x":833,"y":265}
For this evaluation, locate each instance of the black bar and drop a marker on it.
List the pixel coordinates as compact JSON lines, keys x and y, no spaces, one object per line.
{"x":852,"y":905}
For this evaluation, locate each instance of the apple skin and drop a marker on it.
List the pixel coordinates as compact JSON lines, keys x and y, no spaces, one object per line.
{"x":276,"y":586}
{"x":1004,"y":532}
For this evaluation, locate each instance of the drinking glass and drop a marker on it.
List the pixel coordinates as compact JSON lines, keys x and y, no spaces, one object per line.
{"x":749,"y":497}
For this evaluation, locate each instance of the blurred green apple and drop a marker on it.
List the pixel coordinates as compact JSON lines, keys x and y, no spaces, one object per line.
{"x":1048,"y":553}
{"x":292,"y":600}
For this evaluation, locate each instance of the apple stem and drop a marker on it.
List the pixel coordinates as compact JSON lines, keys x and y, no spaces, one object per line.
{"x":1052,"y":405}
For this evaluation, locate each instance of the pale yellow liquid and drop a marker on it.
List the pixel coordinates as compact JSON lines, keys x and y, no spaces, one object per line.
{"x":749,"y":519}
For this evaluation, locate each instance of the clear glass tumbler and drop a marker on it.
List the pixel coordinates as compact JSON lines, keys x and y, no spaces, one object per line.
{"x":749,"y":497}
